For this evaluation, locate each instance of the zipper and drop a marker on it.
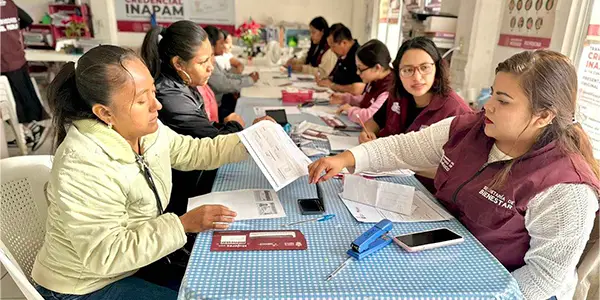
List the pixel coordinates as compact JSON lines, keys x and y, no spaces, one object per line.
{"x":469,"y":180}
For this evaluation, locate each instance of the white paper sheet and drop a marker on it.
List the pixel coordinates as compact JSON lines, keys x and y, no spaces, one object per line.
{"x":423,"y":210}
{"x":248,"y":204}
{"x":320,"y":110}
{"x":337,"y":142}
{"x":305,"y":125}
{"x":398,"y":173}
{"x":309,"y":151}
{"x":383,"y":195}
{"x":277,"y":156}
{"x":290,"y":110}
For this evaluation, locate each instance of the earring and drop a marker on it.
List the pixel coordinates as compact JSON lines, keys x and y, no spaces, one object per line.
{"x":109,"y":125}
{"x":189,"y":79}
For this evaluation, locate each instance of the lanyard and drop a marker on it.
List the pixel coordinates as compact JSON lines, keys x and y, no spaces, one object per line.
{"x":146,"y":170}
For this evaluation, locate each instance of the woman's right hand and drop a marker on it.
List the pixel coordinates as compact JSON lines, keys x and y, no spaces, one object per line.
{"x":336,"y":98}
{"x":233,"y":117}
{"x":366,"y":136}
{"x":207,"y":217}
{"x":254,"y":76}
{"x":331,"y":165}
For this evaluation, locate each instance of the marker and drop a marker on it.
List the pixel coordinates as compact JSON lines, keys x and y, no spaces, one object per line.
{"x":361,"y":122}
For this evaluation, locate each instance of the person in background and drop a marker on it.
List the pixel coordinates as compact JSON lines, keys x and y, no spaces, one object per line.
{"x":344,"y":76}
{"x":319,"y":59}
{"x":519,"y":175}
{"x":226,"y":85}
{"x":13,"y":65}
{"x":110,"y":180}
{"x":226,"y":60}
{"x":373,"y":66}
{"x":421,"y":96}
{"x":180,"y":59}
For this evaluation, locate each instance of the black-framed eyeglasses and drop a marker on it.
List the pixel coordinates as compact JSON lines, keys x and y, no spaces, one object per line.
{"x":424,"y":69}
{"x":360,"y":71}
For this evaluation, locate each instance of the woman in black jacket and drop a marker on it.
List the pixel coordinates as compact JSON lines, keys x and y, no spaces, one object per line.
{"x":180,"y":58}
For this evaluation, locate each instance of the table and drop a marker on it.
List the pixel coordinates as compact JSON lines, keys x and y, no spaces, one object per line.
{"x":463,"y":271}
{"x":50,"y":56}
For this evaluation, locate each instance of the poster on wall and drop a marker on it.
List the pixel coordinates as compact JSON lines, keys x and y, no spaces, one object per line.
{"x":588,"y":94}
{"x":527,"y":24}
{"x":134,"y":15}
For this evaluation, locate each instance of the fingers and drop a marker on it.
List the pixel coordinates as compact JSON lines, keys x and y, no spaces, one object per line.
{"x":222,"y":219}
{"x":316,"y":171}
{"x":332,"y":172}
{"x":225,"y":211}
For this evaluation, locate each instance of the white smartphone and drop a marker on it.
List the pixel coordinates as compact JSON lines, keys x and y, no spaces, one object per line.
{"x":429,"y":239}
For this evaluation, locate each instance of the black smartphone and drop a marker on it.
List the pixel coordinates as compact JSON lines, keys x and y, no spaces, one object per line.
{"x":313,"y":206}
{"x":278,"y":115}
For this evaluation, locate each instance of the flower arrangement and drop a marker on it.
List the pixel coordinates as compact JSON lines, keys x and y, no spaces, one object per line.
{"x":76,"y":27}
{"x":249,"y":33}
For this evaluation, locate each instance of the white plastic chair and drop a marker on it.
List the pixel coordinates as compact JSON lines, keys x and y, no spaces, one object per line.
{"x":8,"y":109}
{"x":17,"y":275}
{"x":24,"y":211}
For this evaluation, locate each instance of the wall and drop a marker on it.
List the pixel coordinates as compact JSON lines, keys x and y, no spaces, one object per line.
{"x":473,"y":66}
{"x":353,"y":13}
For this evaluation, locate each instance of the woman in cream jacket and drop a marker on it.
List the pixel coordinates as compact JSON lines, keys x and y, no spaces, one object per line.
{"x":111,"y":179}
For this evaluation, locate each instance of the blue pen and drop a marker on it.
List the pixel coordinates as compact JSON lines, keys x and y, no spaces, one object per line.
{"x":319,"y":219}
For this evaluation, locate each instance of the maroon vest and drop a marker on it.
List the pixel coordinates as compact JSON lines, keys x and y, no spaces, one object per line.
{"x":13,"y":55}
{"x":439,"y":108}
{"x":496,"y":217}
{"x":376,"y":88}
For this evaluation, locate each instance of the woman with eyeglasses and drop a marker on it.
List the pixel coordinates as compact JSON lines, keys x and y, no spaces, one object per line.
{"x":520,"y":175}
{"x":421,"y":95}
{"x":373,"y":66}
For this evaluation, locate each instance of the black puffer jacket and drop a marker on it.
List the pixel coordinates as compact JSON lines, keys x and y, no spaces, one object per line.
{"x":183,"y":108}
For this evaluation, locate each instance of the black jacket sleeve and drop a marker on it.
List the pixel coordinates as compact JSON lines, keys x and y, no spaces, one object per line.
{"x":24,"y":19}
{"x":187,"y":116}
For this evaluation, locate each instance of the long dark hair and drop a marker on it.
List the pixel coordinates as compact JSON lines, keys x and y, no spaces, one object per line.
{"x":74,"y":91}
{"x":441,"y":83}
{"x":312,"y":58}
{"x":549,"y":80}
{"x":181,"y":39}
{"x":214,"y":34}
{"x":373,"y":53}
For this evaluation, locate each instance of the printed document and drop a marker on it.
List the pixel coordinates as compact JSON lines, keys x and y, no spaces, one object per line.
{"x":277,"y":156}
{"x":248,"y":204}
{"x":389,"y":196}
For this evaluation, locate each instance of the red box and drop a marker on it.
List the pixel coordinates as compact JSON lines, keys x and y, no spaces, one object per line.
{"x":297,"y":97}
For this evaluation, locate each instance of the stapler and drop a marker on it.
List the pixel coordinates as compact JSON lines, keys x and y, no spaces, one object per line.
{"x":366,"y":244}
{"x":372,"y":240}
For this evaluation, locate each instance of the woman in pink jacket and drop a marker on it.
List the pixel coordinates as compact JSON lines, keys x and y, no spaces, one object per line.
{"x":373,"y":66}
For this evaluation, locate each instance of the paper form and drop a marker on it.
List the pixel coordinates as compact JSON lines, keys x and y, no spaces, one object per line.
{"x":383,"y":195}
{"x":337,"y":143}
{"x":277,"y":156}
{"x":248,"y":204}
{"x":423,"y":210}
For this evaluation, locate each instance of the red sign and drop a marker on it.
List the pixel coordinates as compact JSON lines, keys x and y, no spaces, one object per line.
{"x":594,"y":30}
{"x":523,"y":42}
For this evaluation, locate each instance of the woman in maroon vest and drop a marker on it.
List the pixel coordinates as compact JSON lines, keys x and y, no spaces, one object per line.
{"x":421,"y":95}
{"x":520,"y":175}
{"x":373,"y":66}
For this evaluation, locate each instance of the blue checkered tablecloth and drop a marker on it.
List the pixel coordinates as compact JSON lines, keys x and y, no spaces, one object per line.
{"x":463,"y":271}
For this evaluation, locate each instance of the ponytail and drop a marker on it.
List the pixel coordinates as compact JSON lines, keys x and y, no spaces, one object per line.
{"x":181,"y":39}
{"x":150,"y":53}
{"x":74,"y":91}
{"x":577,"y":141}
{"x":65,"y":102}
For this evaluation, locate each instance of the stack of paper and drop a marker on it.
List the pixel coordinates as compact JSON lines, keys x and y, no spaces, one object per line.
{"x":423,"y":210}
{"x":277,"y":156}
{"x":388,"y":196}
{"x":320,"y":111}
{"x":248,"y":204}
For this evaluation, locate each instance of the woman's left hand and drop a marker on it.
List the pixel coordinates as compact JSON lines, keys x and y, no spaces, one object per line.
{"x":262,"y":119}
{"x":343,"y":108}
{"x":324,"y":83}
